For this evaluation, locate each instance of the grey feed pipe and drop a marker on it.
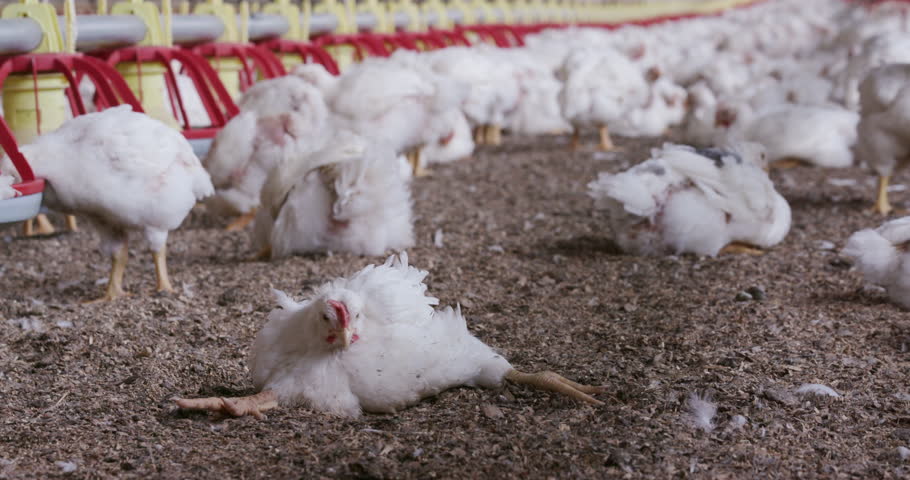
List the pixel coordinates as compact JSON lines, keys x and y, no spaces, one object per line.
{"x":264,"y":26}
{"x":19,"y":35}
{"x":94,"y":32}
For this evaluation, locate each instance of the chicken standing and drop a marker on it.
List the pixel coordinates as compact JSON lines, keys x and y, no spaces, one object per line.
{"x":883,"y":141}
{"x":882,"y":257}
{"x":371,"y":342}
{"x":123,"y":171}
{"x":600,"y":86}
{"x":705,"y":201}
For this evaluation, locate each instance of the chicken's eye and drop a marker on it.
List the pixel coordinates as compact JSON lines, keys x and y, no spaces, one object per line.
{"x":325,"y":317}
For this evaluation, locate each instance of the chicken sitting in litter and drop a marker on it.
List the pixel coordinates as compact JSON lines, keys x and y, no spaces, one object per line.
{"x":881,"y":254}
{"x":349,"y":196}
{"x":122,"y":171}
{"x":702,"y":201}
{"x":278,"y":117}
{"x":371,"y":342}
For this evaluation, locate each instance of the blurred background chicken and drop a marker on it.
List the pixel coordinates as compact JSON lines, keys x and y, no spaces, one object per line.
{"x":279,"y":118}
{"x":349,"y":196}
{"x":600,"y":87}
{"x":397,"y":101}
{"x":881,"y":256}
{"x":702,"y":201}
{"x":123,"y":171}
{"x":371,"y":342}
{"x":883,"y":131}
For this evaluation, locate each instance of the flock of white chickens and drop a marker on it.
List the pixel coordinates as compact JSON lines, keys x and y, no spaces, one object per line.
{"x":323,"y":163}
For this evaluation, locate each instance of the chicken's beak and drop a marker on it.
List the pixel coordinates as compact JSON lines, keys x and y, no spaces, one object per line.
{"x":346,"y":337}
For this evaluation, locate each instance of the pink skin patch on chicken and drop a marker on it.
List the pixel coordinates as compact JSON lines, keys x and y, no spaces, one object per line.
{"x":446,"y":139}
{"x":276,"y":129}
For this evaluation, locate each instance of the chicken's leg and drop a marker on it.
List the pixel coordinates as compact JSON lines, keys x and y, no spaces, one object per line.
{"x":882,"y":205}
{"x":737,"y":247}
{"x":264,"y":254}
{"x":554,"y":382}
{"x":71,"y":223}
{"x":494,"y":135}
{"x":606,"y":142}
{"x":44,"y":226}
{"x":576,"y":140}
{"x":237,"y":406}
{"x":479,"y":132}
{"x":164,"y":282}
{"x":414,"y":159}
{"x":787,"y":163}
{"x":241,"y":222}
{"x":115,"y":283}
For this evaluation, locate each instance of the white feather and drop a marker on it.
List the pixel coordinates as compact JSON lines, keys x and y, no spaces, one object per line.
{"x":701,"y":412}
{"x":816,"y":389}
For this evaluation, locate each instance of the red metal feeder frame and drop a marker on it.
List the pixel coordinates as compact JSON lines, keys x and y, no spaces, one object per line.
{"x":308,"y":52}
{"x":258,"y":62}
{"x":110,"y":88}
{"x":216,"y":100}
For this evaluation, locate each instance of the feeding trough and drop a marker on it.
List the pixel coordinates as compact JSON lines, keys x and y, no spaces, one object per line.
{"x":30,"y":190}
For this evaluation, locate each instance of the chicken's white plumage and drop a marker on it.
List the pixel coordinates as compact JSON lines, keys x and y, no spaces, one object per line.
{"x":122,"y":171}
{"x":279,"y":118}
{"x":348,"y":196}
{"x":132,"y":173}
{"x":688,"y":200}
{"x":821,"y":136}
{"x":6,"y":187}
{"x":404,"y":350}
{"x":881,"y":255}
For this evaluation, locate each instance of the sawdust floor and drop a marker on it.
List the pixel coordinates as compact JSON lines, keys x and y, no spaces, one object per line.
{"x":89,"y":387}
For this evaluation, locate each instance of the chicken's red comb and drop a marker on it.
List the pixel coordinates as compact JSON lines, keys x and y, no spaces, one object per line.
{"x":341,"y":311}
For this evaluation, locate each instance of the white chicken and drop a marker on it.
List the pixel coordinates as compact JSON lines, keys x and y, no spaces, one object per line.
{"x":371,"y":342}
{"x":349,"y":196}
{"x":883,"y":142}
{"x":457,"y":145}
{"x":401,"y":105}
{"x":794,"y":134}
{"x":279,"y":118}
{"x":6,"y":187}
{"x":881,"y":255}
{"x":123,"y":171}
{"x":703,"y":201}
{"x":316,"y":75}
{"x":600,"y":86}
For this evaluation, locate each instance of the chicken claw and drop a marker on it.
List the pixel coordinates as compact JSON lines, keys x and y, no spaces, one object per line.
{"x":736,"y":247}
{"x":554,"y":382}
{"x":252,"y":405}
{"x":241,"y":222}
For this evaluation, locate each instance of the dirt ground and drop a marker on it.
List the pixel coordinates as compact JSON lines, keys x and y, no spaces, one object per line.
{"x":87,"y":390}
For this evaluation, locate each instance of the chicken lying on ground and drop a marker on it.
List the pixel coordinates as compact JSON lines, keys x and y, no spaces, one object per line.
{"x":883,"y":140}
{"x":122,"y":171}
{"x":277,"y":116}
{"x":882,"y":257}
{"x":349,"y":196}
{"x":705,"y":201}
{"x":802,"y":134}
{"x":371,"y":342}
